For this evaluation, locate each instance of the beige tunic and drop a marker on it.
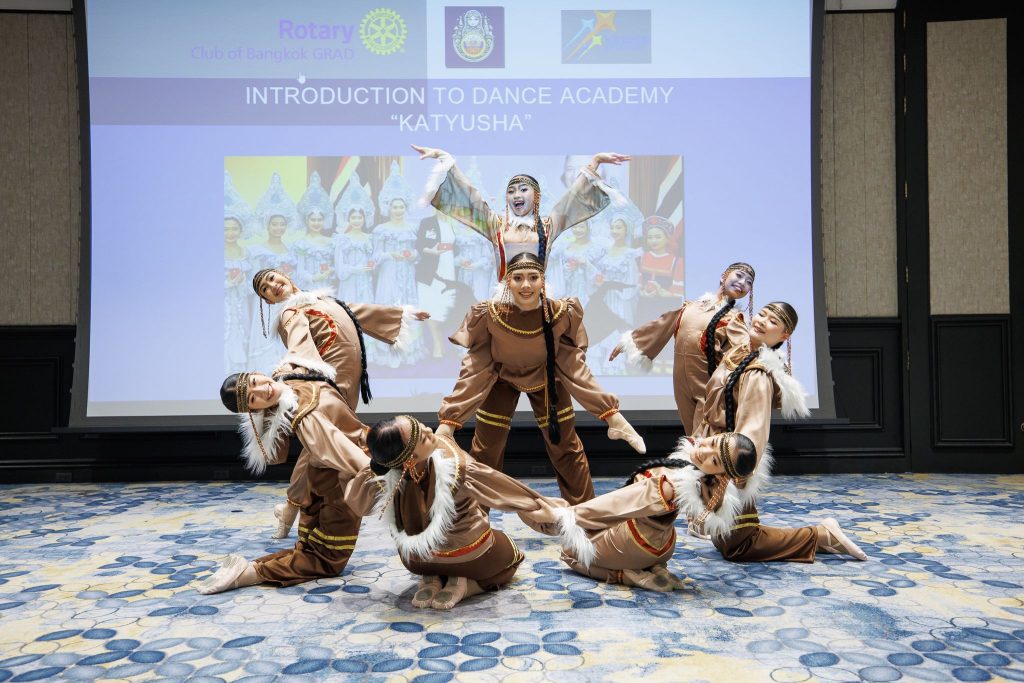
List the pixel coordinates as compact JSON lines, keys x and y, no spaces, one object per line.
{"x":328,"y":528}
{"x":507,"y":356}
{"x":439,"y":524}
{"x":631,"y":528}
{"x":688,"y":326}
{"x":320,"y":336}
{"x":458,"y":198}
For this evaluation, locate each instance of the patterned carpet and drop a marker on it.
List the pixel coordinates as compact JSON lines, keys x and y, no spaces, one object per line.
{"x":98,"y":581}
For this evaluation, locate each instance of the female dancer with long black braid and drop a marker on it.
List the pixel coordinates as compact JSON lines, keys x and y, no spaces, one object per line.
{"x":525,"y":343}
{"x":746,"y":386}
{"x":520,"y":228}
{"x":307,"y":405}
{"x":704,"y":330}
{"x":325,"y":335}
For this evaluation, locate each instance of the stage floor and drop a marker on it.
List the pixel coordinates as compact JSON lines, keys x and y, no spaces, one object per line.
{"x":98,"y":581}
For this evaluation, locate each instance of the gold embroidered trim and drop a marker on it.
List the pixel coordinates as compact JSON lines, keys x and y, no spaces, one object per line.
{"x":308,"y":408}
{"x":545,"y":422}
{"x":506,"y":418}
{"x":743,"y":526}
{"x":608,"y":413}
{"x":564,"y":410}
{"x":316,"y":540}
{"x":529,"y":390}
{"x":498,"y":318}
{"x":503,"y":425}
{"x":333,"y":538}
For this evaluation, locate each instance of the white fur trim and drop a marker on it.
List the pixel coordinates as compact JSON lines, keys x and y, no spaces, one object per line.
{"x":275,"y":425}
{"x":441,"y":514}
{"x":634,"y":356}
{"x":709,"y":301}
{"x":718,"y":523}
{"x":573,"y":538}
{"x":794,"y":401}
{"x":314,"y":364}
{"x":445,"y":163}
{"x":404,"y":339}
{"x":618,"y":200}
{"x":758,"y":479}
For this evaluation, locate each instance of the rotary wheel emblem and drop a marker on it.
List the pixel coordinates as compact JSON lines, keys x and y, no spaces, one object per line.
{"x":383,"y":31}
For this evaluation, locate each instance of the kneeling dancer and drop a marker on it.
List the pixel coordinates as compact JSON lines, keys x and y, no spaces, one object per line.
{"x":308,"y":406}
{"x":740,"y":396}
{"x":429,"y":493}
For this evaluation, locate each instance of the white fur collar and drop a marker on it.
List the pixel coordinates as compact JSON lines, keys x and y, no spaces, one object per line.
{"x":527,"y":222}
{"x":710,"y":301}
{"x":275,"y":424}
{"x":686,"y":482}
{"x":794,"y":401}
{"x":441,"y":514}
{"x":404,"y":341}
{"x":305,"y":298}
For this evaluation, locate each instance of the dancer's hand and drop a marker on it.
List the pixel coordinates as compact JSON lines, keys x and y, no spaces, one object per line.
{"x":421,"y":315}
{"x":609,"y":158}
{"x":428,"y":152}
{"x":615,"y":352}
{"x":620,"y":429}
{"x":444,"y":429}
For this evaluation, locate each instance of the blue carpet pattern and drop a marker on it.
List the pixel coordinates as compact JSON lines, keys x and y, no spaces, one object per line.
{"x":98,"y":581}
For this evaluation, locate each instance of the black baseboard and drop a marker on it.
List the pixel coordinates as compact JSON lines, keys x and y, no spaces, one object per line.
{"x":37,"y":361}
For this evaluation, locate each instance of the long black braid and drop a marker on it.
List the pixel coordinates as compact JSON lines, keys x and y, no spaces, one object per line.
{"x":709,"y":336}
{"x":673,"y":463}
{"x":554,"y":431}
{"x":311,"y":376}
{"x":730,"y":385}
{"x":542,"y":238}
{"x":364,"y":378}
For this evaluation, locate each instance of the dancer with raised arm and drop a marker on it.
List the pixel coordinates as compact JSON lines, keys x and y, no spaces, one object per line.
{"x":430,"y":494}
{"x":524,"y":343}
{"x":520,"y":228}
{"x":307,"y":406}
{"x":326,"y":335}
{"x":746,"y":386}
{"x":704,"y":330}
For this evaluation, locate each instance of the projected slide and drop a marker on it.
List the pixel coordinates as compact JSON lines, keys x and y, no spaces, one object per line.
{"x":293,"y":123}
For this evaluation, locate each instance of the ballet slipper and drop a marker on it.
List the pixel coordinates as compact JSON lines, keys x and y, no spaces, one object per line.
{"x":620,"y":430}
{"x":676,"y":582}
{"x":429,"y":585}
{"x":235,"y":572}
{"x":641,"y":578}
{"x":693,"y":530}
{"x":285,"y":514}
{"x":455,"y":591}
{"x":838,"y":542}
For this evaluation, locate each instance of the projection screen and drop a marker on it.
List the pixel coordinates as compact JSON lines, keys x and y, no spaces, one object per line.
{"x":271,"y":108}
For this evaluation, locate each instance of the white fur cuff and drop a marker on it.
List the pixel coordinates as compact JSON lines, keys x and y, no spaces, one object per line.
{"x":573,"y":538}
{"x":634,"y":356}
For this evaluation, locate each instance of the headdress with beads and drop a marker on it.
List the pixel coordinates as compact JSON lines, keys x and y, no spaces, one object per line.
{"x":355,"y":196}
{"x":235,"y":206}
{"x":275,"y":202}
{"x":725,"y":455}
{"x":395,"y":187}
{"x":316,"y":200}
{"x":789,"y":324}
{"x":749,"y":270}
{"x":257,"y":280}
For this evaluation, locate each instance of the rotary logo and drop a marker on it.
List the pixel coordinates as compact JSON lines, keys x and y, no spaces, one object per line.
{"x":383,"y":31}
{"x":473,"y":39}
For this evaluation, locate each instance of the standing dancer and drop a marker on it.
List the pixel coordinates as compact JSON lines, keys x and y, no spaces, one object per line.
{"x":325,"y":335}
{"x":713,"y":318}
{"x":521,"y":228}
{"x":526,"y":343}
{"x":749,"y":383}
{"x":307,"y":406}
{"x":435,"y":517}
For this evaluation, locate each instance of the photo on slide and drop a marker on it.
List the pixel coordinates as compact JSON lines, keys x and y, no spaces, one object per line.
{"x":362,"y":229}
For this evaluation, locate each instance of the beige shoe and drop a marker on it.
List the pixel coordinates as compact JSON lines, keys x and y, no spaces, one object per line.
{"x":285,"y":514}
{"x":839,"y":543}
{"x":641,"y":578}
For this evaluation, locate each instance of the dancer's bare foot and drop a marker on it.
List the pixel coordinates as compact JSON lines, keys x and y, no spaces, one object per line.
{"x":831,"y":539}
{"x":429,"y":585}
{"x":285,"y":514}
{"x":235,"y":572}
{"x":676,"y":582}
{"x":641,"y":578}
{"x":620,"y":430}
{"x":455,"y":591}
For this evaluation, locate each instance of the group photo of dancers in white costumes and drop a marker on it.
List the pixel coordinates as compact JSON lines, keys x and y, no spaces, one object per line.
{"x":729,"y":372}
